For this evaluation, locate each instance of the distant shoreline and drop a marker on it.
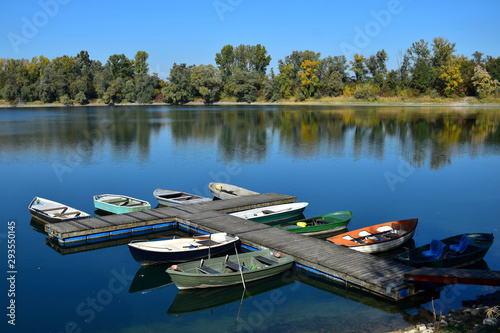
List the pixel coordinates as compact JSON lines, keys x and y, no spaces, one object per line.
{"x":412,"y":103}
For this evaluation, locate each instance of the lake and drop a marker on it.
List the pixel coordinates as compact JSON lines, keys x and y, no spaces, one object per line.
{"x":384,"y":163}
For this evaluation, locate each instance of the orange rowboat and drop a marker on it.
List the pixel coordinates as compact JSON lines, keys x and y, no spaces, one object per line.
{"x":377,"y":238}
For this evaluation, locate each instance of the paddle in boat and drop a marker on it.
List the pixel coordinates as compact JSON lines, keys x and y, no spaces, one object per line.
{"x":182,"y":249}
{"x":457,"y":251}
{"x":48,"y":211}
{"x":379,"y":237}
{"x":228,"y":191}
{"x":177,"y":198}
{"x":230,"y":270}
{"x":119,"y":204}
{"x":318,"y":225}
{"x":272,"y":213}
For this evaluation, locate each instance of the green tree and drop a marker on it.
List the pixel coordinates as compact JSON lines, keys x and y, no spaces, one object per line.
{"x":140,"y":62}
{"x":260,"y":60}
{"x":422,"y":76}
{"x":114,"y":93}
{"x":81,"y":99}
{"x":285,"y":79}
{"x":208,"y":81}
{"x":120,"y":66}
{"x":442,"y":52}
{"x":271,"y":89}
{"x":334,"y":85}
{"x":179,"y":89}
{"x":359,"y":68}
{"x":244,"y":85}
{"x":225,"y":61}
{"x":145,"y":87}
{"x":493,"y":67}
{"x":129,"y":91}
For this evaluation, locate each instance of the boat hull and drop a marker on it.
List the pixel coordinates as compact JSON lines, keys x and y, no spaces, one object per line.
{"x":176,"y":198}
{"x":479,"y":244}
{"x":148,"y":257}
{"x":115,"y":204}
{"x":191,"y":278}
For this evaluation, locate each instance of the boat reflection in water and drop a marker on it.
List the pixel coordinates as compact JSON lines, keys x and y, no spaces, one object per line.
{"x":149,"y":278}
{"x":195,"y":300}
{"x":410,"y":309}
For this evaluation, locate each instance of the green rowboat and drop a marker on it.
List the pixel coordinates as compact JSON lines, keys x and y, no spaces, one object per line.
{"x":318,"y":225}
{"x":229,"y":270}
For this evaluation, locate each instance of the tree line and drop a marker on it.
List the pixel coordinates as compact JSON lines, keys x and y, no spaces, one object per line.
{"x":241,"y":74}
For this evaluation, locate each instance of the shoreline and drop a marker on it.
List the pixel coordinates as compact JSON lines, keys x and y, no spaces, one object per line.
{"x":454,"y":104}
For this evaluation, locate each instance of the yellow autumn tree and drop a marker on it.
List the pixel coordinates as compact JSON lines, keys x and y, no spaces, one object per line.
{"x":451,"y":77}
{"x":309,"y":77}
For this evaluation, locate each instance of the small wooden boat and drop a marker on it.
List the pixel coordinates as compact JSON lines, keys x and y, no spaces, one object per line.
{"x":48,"y":211}
{"x":272,"y":213}
{"x":228,"y":191}
{"x":318,"y":225}
{"x":379,"y":237}
{"x":177,"y":198}
{"x":229,"y":270}
{"x":119,"y":204}
{"x":452,"y":252}
{"x":182,"y":249}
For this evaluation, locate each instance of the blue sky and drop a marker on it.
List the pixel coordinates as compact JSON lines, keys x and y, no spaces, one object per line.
{"x":193,"y":31}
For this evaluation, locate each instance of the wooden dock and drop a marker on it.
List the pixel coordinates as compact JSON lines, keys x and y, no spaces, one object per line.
{"x":453,"y":276}
{"x":379,"y":276}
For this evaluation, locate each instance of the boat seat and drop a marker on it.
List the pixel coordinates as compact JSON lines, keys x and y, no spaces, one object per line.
{"x":133,"y":205}
{"x":267,"y":211}
{"x":70,"y":213}
{"x":50,"y":209}
{"x":115,"y":202}
{"x":364,"y":233}
{"x":462,"y":246}
{"x":207,"y":270}
{"x":234,"y":266}
{"x":435,"y":251}
{"x":265,"y":260}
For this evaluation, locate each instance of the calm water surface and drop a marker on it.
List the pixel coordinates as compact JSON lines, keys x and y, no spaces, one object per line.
{"x":383,"y":163}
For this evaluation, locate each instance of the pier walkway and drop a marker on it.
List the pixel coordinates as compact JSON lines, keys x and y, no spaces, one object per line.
{"x":382,"y":277}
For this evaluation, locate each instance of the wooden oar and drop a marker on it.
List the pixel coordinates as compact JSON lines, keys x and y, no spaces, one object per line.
{"x":241,"y":271}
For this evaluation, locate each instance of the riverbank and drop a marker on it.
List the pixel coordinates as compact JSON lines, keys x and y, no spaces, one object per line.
{"x":481,"y":315}
{"x":336,"y":101}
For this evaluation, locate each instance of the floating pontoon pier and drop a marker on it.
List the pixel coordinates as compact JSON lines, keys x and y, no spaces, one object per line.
{"x":380,"y":276}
